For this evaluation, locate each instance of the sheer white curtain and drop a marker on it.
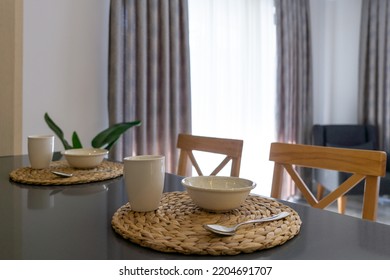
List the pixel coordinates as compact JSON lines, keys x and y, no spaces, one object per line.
{"x":233,"y":78}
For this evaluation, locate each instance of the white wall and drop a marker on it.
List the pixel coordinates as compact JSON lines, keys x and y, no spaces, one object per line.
{"x":335,"y":31}
{"x":65,"y":67}
{"x":11,"y":50}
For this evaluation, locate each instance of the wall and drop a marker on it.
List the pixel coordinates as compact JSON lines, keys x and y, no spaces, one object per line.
{"x":65,"y":67}
{"x":11,"y":39}
{"x":335,"y":31}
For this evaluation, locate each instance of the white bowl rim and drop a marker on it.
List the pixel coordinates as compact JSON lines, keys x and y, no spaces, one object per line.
{"x":85,"y":152}
{"x":239,"y":189}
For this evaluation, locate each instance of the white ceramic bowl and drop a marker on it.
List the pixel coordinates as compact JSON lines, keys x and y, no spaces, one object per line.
{"x":218,"y":193}
{"x":84,"y":158}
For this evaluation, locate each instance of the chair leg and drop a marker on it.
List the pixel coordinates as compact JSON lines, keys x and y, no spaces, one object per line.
{"x":320,"y":191}
{"x":342,"y":204}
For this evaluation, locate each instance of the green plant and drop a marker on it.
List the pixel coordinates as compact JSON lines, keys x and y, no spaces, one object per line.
{"x":105,"y":139}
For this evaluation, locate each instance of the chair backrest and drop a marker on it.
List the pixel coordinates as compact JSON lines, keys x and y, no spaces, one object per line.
{"x":362,"y":164}
{"x":232,"y":148}
{"x":352,"y":136}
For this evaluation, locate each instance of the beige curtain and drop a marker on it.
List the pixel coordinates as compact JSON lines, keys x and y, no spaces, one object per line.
{"x":294,"y":113}
{"x":149,"y":75}
{"x":374,"y":74}
{"x":294,"y":71}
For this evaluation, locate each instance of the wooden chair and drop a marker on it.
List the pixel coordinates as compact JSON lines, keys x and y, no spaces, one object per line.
{"x":362,"y":164}
{"x":351,"y":136}
{"x":232,"y":148}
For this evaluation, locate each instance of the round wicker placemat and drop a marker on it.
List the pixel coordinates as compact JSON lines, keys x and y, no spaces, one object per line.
{"x":106,"y":170}
{"x":176,"y":226}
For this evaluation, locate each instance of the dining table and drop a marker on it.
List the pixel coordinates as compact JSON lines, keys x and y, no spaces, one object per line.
{"x":74,"y":222}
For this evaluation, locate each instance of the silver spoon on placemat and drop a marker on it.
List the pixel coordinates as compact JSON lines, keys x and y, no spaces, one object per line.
{"x":232,"y":230}
{"x":62,"y":174}
{"x":67,"y":175}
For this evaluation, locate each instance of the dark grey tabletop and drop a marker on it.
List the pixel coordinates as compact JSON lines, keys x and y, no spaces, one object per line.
{"x":74,"y":222}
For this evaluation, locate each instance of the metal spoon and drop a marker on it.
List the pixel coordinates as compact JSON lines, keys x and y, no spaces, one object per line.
{"x":67,"y":175}
{"x":62,"y":174}
{"x":232,"y":230}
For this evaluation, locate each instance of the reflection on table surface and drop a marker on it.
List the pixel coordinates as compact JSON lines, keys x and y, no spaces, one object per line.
{"x":74,"y":222}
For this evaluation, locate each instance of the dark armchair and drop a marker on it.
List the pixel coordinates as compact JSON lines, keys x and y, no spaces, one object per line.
{"x":345,"y":136}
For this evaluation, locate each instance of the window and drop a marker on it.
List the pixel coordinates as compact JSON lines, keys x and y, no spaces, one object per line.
{"x":233,"y":74}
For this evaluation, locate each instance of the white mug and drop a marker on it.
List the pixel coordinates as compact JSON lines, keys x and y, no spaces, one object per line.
{"x":40,"y":150}
{"x":144,"y":181}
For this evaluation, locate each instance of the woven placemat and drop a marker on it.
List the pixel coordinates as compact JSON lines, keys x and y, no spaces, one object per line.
{"x":176,"y":226}
{"x":106,"y":170}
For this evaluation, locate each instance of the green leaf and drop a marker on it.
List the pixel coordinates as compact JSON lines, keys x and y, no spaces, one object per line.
{"x":76,"y":141}
{"x":52,"y":125}
{"x":110,"y":135}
